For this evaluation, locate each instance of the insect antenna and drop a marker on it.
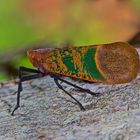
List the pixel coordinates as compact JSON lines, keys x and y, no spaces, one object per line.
{"x":37,"y":74}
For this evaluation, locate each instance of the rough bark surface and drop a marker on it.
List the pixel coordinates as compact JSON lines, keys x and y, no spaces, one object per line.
{"x":47,"y":113}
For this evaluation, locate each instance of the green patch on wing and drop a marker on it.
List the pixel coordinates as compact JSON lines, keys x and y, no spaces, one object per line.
{"x":68,"y":61}
{"x":89,"y":65}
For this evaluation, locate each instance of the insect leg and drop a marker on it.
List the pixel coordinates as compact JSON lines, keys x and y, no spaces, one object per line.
{"x":69,"y":83}
{"x":22,"y":79}
{"x":59,"y":86}
{"x":24,"y":69}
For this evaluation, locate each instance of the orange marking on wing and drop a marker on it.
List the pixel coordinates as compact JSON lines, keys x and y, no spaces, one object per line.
{"x":60,"y":62}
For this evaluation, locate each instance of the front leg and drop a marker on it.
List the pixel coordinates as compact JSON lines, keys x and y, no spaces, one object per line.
{"x":25,"y":78}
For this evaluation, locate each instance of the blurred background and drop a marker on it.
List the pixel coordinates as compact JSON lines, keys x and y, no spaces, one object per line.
{"x":28,"y":24}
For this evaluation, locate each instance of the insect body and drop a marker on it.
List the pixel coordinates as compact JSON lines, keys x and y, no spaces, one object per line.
{"x":108,"y":63}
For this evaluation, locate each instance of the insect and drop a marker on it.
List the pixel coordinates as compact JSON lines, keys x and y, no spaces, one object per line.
{"x":113,"y":63}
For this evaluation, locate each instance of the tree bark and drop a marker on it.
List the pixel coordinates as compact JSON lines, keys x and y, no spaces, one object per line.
{"x":47,"y":113}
